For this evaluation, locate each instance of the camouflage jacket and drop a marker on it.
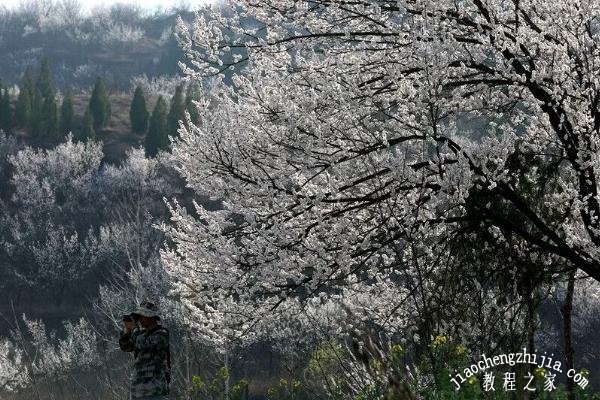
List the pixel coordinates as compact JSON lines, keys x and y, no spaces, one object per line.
{"x":149,"y":376}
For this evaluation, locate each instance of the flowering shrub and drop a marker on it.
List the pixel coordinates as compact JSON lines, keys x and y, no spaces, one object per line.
{"x":287,"y":390}
{"x":217,"y":387}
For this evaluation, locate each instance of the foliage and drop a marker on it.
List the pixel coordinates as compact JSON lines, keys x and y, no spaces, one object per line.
{"x":40,"y":243}
{"x":326,"y":369}
{"x":138,"y":113}
{"x":162,"y":85}
{"x":62,"y":30}
{"x":193,"y":95}
{"x":176,"y":112}
{"x":6,"y":117}
{"x":99,"y":106}
{"x":157,"y":137}
{"x":37,"y":117}
{"x":23,"y":108}
{"x":12,"y":372}
{"x":34,"y":355}
{"x":287,"y":389}
{"x":50,"y":118}
{"x":355,"y":159}
{"x":44,"y":82}
{"x":66,"y":115}
{"x":424,"y":170}
{"x":216,"y":387}
{"x":36,"y":107}
{"x":88,"y":132}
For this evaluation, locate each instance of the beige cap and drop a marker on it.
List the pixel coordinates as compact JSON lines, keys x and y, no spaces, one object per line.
{"x":147,"y":309}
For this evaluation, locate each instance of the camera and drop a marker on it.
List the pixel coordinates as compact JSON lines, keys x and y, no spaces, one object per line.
{"x":133,"y":317}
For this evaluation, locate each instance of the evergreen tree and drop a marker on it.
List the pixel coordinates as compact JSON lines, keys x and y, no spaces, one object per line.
{"x":100,"y":105}
{"x":44,"y":83}
{"x":50,"y":117}
{"x":28,"y":82}
{"x":157,"y":137}
{"x":37,"y":119}
{"x":177,"y":112}
{"x":87,"y":131}
{"x":66,"y":115}
{"x":138,"y":113}
{"x":23,"y":109}
{"x":5,"y":111}
{"x":192,"y":94}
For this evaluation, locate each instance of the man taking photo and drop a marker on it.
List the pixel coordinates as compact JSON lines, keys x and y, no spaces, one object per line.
{"x":149,"y":341}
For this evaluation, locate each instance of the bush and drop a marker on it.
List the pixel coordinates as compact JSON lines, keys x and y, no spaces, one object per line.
{"x":216,"y":387}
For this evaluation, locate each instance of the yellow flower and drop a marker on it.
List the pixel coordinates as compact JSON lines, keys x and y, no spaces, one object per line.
{"x":472,"y":380}
{"x":197,"y":381}
{"x":439,"y":341}
{"x":461,"y":349}
{"x":224,"y":372}
{"x":397,"y":350}
{"x":584,"y":372}
{"x":541,"y":372}
{"x":377,"y":364}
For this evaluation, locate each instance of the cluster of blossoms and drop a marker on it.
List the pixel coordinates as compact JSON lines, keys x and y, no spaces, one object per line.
{"x":359,"y":140}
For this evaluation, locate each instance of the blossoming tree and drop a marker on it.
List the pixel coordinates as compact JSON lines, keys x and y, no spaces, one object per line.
{"x":354,"y":129}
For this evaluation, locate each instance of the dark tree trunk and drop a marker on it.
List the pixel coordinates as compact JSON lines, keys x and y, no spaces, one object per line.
{"x":531,"y":328}
{"x":567,"y":313}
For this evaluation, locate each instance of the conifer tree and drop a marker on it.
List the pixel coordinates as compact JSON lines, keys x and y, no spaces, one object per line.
{"x":44,"y":83}
{"x":50,"y":117}
{"x":87,"y":131}
{"x":37,"y":119}
{"x":100,"y":105}
{"x":28,"y":82}
{"x":192,"y":94}
{"x":66,"y":115}
{"x":138,"y":113}
{"x":177,"y":112}
{"x":23,"y":109}
{"x":157,"y":137}
{"x":5,"y":111}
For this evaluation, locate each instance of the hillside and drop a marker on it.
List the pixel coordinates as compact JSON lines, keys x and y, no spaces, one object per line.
{"x":115,"y":42}
{"x":116,"y":136}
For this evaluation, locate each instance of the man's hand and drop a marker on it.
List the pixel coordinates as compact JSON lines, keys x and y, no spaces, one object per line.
{"x":129,"y":326}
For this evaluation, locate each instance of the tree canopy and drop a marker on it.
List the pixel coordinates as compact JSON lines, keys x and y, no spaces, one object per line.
{"x":176,"y":111}
{"x":50,"y":118}
{"x":192,"y":95}
{"x":45,"y":83}
{"x":352,"y":152}
{"x":66,"y":114}
{"x":23,"y":108}
{"x":157,"y":137}
{"x":138,"y":113}
{"x":100,"y":107}
{"x":6,"y":115}
{"x":87,"y":130}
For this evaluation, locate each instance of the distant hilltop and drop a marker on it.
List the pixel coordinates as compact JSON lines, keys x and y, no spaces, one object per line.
{"x":89,"y":5}
{"x":117,"y":42}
